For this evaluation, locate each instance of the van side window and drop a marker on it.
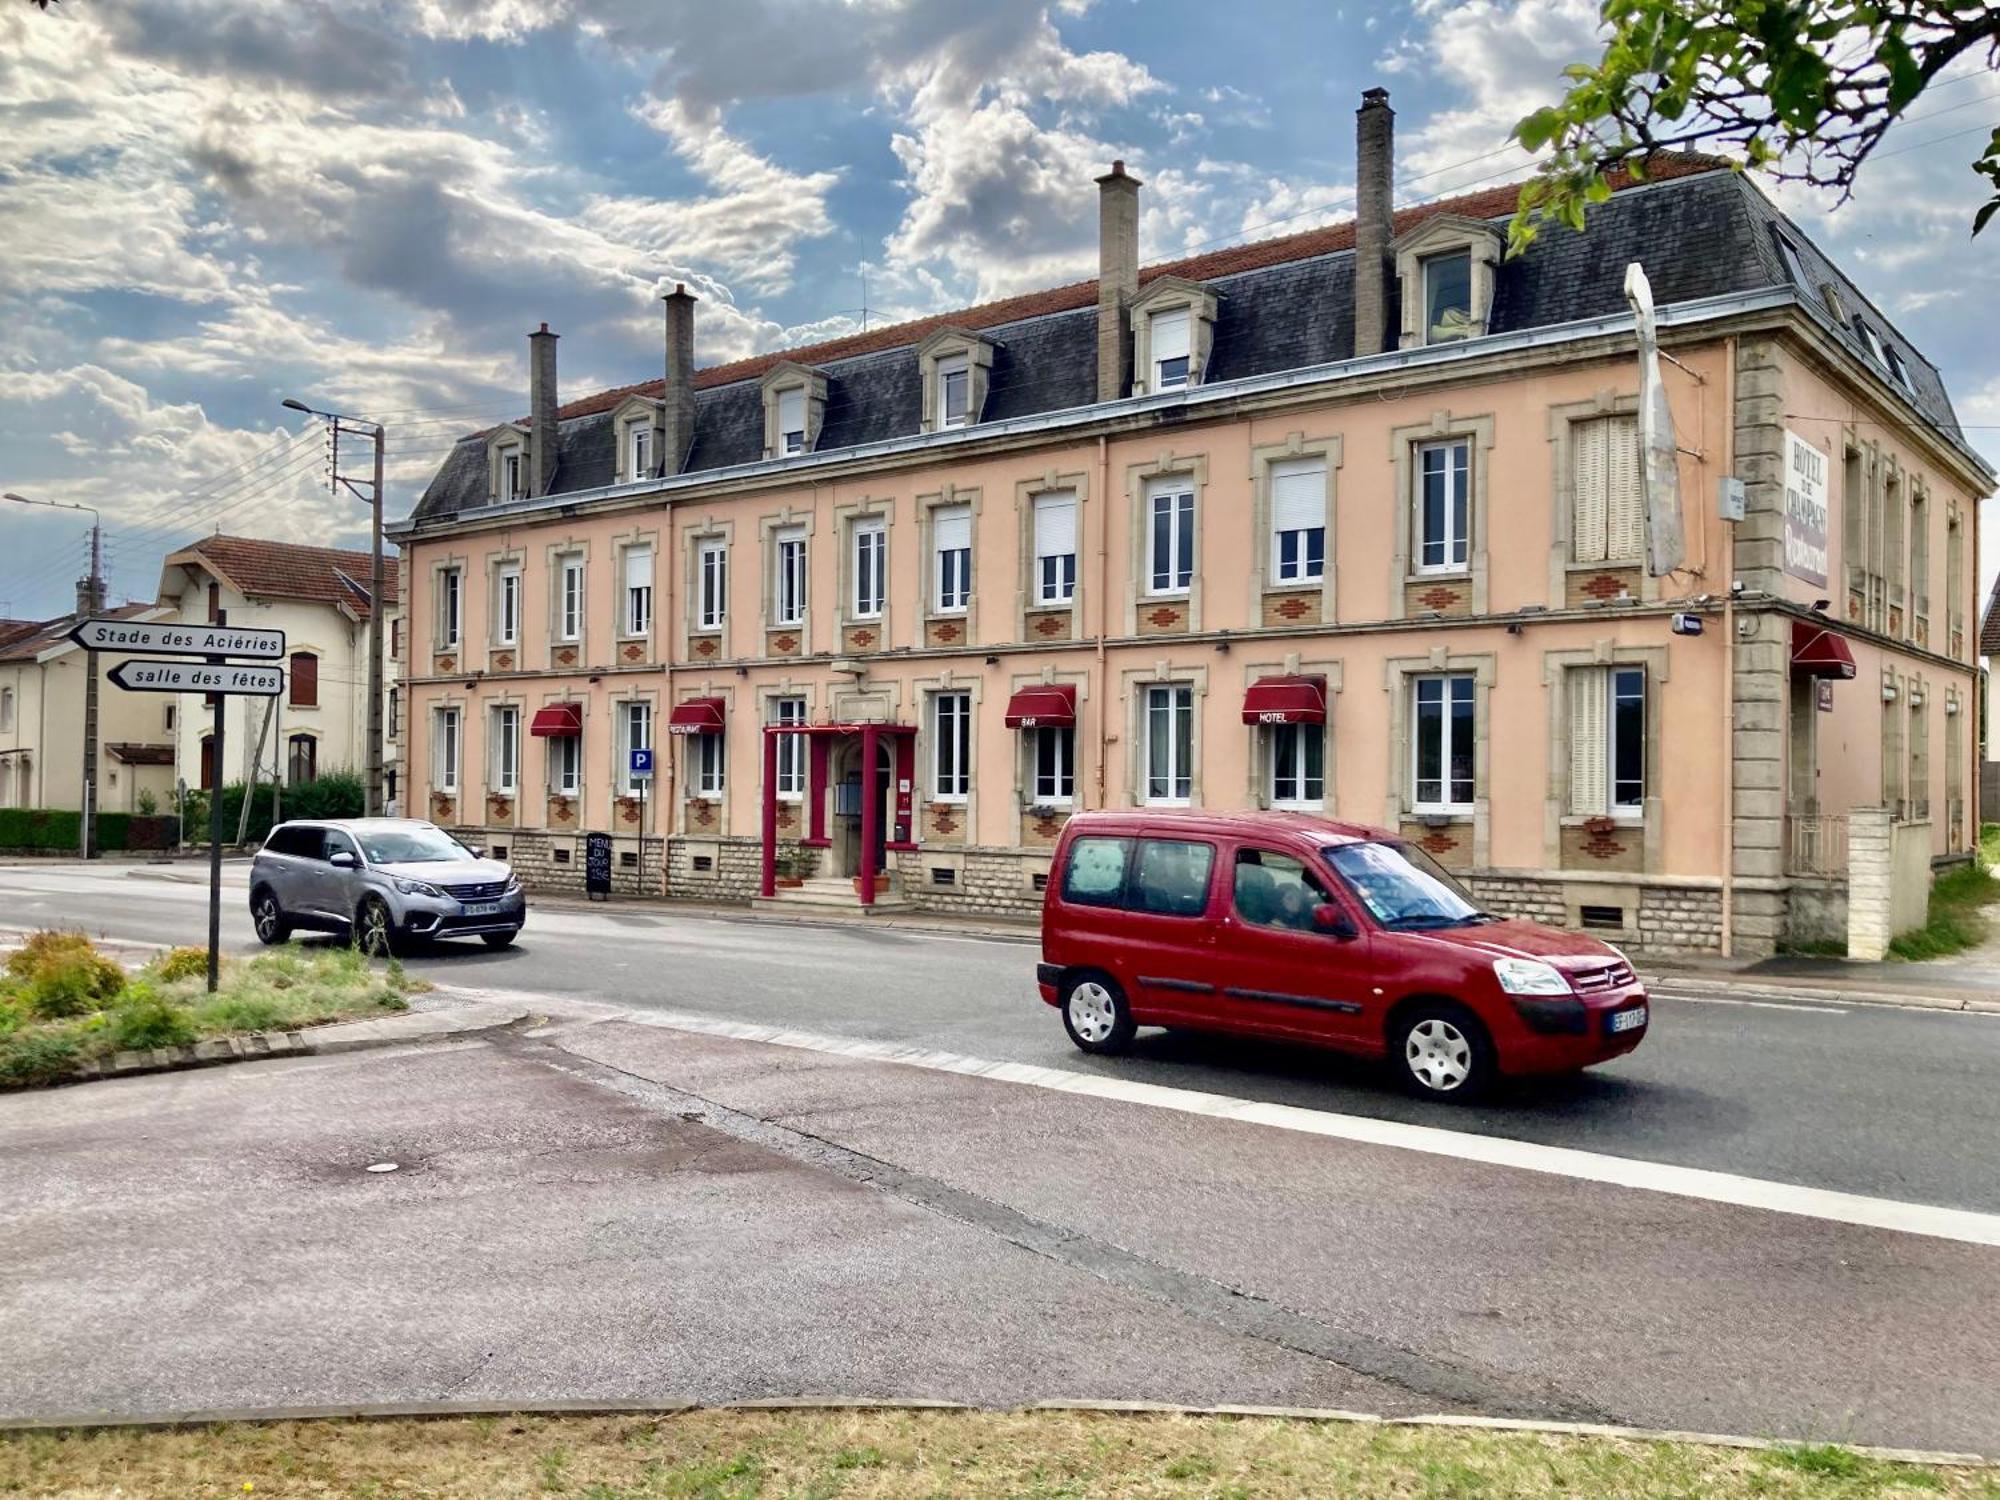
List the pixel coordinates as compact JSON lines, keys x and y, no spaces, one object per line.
{"x":1171,"y":878}
{"x":1276,"y":890}
{"x":1095,"y":875}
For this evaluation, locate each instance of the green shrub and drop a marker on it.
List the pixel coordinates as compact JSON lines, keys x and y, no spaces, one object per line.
{"x":13,"y":1015}
{"x":240,"y":1013}
{"x":181,"y":963}
{"x":144,"y":1020}
{"x":40,"y":829}
{"x":63,"y":975}
{"x":39,"y":946}
{"x":38,"y":1057}
{"x":146,"y":804}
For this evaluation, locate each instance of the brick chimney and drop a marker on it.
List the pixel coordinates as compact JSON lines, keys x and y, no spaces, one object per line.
{"x":1117,"y":278}
{"x":1374,"y":219}
{"x":677,"y":403}
{"x":542,"y":405}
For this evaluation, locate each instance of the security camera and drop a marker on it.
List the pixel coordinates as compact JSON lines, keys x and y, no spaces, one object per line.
{"x":1687,"y":624}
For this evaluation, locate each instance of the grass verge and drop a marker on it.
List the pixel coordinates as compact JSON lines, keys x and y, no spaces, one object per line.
{"x":747,"y":1455}
{"x":63,"y":1004}
{"x":1959,"y":916}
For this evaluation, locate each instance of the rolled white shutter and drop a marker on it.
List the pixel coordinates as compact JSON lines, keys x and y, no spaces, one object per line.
{"x":1298,"y":494}
{"x":1170,"y":335}
{"x":638,"y":567}
{"x":1588,"y":441}
{"x":791,"y":411}
{"x":1587,"y":736}
{"x":1055,"y":525}
{"x":1625,"y":490}
{"x":951,"y":526}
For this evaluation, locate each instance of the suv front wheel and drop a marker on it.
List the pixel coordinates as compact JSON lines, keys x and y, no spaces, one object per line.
{"x":269,"y":918}
{"x":375,"y":929}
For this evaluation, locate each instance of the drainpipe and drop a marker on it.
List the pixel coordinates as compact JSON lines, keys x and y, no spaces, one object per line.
{"x":1103,"y":603}
{"x":1728,"y":577}
{"x":664,"y":624}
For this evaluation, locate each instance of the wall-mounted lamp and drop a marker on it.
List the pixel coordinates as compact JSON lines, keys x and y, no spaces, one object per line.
{"x":1821,"y":606}
{"x":992,"y":661}
{"x":742,"y":671}
{"x":1951,"y":708}
{"x":1515,"y":627}
{"x":1888,"y":692}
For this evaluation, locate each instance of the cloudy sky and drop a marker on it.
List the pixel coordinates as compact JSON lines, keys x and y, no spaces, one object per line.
{"x":208,"y":205}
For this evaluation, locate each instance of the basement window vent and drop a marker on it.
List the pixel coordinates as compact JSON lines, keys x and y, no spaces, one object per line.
{"x":703,"y":863}
{"x":628,"y":859}
{"x":943,"y":875}
{"x":1612,"y":917}
{"x":561,"y":856}
{"x":1041,"y":882}
{"x":499,"y":851}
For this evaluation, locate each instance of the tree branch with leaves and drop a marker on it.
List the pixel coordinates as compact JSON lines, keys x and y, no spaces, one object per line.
{"x":1801,"y":89}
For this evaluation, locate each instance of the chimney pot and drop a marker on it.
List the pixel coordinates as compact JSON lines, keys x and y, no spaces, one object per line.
{"x":1374,"y":218}
{"x":1117,"y":277}
{"x":677,"y":389}
{"x":542,"y":404}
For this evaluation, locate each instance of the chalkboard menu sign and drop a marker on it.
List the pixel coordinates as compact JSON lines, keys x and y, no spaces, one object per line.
{"x":597,"y":864}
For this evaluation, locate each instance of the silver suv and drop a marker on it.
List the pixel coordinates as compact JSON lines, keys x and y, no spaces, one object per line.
{"x":385,"y":880}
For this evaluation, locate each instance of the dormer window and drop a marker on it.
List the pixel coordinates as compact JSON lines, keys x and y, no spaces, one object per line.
{"x":511,"y":487}
{"x":954,"y":392}
{"x":1794,"y":265}
{"x":1448,"y":297}
{"x":641,"y":453}
{"x":1173,"y":329}
{"x":1447,"y":267}
{"x":1871,"y":342}
{"x":794,"y":407}
{"x":954,"y":364}
{"x":1170,"y":349}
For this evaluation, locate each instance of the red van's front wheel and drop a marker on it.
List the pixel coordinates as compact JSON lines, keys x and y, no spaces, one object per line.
{"x":1095,"y":1014}
{"x":1443,"y":1052}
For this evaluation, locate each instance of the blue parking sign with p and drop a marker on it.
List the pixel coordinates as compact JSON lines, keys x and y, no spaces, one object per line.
{"x":642,"y":763}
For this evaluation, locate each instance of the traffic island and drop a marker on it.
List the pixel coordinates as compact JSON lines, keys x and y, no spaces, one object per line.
{"x":70,"y":1013}
{"x":862,"y":1450}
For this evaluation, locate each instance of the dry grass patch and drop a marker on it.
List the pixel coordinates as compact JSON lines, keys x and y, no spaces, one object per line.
{"x":749,"y":1455}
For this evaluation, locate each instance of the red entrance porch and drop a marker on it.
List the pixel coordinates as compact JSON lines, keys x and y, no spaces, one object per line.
{"x":821,"y":740}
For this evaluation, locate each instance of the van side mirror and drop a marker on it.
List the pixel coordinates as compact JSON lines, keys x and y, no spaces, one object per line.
{"x":1334,"y":922}
{"x":343,"y":859}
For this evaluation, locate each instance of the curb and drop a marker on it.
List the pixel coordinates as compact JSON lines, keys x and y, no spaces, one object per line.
{"x":425,"y":1410}
{"x":1011,"y":932}
{"x":1672,"y":986}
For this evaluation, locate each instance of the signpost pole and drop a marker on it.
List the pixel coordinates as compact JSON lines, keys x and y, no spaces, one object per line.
{"x":215,"y":830}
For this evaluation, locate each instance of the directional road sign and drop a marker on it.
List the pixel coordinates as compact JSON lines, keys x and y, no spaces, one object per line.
{"x":188,"y":640}
{"x":145,"y":675}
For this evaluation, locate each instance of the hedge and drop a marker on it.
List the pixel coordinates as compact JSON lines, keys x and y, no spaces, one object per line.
{"x":47,"y":829}
{"x":334,"y":794}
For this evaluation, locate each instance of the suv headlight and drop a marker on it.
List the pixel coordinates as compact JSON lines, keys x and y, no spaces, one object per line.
{"x":1529,"y":976}
{"x":513,"y":884}
{"x":418,"y":888}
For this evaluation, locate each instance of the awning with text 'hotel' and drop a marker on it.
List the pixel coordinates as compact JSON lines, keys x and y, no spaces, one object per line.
{"x":696,"y":716}
{"x":1819,"y":652}
{"x":1285,"y":700}
{"x":557,"y":721}
{"x":1045,"y":705}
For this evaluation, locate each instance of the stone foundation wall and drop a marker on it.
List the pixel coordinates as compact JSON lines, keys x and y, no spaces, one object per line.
{"x":1654,"y":919}
{"x":552,"y":863}
{"x":982,"y":883}
{"x":1816,"y":913}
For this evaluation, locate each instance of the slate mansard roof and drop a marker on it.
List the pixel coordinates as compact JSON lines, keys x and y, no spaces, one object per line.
{"x":1700,"y":229}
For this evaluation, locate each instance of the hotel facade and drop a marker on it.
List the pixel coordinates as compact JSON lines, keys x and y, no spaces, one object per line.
{"x":1352,"y":521}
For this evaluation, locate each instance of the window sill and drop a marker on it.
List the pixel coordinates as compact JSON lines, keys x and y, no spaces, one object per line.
{"x":1607,"y":565}
{"x":1295,"y":585}
{"x":1185,"y":593}
{"x":1431,"y":575}
{"x":1168,"y":802}
{"x":1455,"y":813}
{"x":1621,"y":819}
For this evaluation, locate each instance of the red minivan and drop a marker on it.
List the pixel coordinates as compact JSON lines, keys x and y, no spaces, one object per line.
{"x":1288,"y":926}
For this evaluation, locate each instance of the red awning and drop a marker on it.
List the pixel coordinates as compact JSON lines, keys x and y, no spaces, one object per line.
{"x":1046,"y":705}
{"x":696,"y":716}
{"x":1285,"y":700}
{"x":1819,"y":652}
{"x":557,"y":721}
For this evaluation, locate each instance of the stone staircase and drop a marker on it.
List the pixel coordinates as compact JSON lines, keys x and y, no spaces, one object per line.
{"x":834,"y":893}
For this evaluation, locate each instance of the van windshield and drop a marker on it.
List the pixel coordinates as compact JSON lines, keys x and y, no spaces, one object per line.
{"x":1403,"y":887}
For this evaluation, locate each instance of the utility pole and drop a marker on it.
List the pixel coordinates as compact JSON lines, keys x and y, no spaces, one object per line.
{"x":377,"y":606}
{"x":93,"y":604}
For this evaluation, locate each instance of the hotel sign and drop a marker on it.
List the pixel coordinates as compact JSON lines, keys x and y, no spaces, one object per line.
{"x":1805,"y":510}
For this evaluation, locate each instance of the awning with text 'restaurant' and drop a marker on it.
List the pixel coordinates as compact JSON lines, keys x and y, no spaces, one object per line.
{"x":696,"y":716}
{"x":1819,"y":652}
{"x":556,"y":721}
{"x":1046,"y":705}
{"x":1285,"y":700}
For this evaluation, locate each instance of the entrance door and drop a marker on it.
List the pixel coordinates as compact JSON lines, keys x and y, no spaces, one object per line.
{"x":844,"y":771}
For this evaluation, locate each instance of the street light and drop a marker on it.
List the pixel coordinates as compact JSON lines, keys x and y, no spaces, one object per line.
{"x":87,"y":832}
{"x":376,"y":624}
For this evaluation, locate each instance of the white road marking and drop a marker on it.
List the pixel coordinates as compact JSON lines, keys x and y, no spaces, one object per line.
{"x":1963,"y":1225}
{"x":1818,"y":1010}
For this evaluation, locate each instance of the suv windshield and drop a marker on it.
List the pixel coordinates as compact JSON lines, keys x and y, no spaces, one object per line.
{"x":413,"y":846}
{"x":1402,"y":886}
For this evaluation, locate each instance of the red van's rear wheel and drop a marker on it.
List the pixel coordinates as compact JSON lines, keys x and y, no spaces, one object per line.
{"x":1442,"y":1052}
{"x":1095,"y":1014}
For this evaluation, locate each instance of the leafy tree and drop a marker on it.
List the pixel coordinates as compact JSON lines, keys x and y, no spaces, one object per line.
{"x":1803,"y":89}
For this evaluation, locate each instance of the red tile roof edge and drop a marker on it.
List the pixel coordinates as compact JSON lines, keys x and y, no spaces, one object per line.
{"x":1486,"y":203}
{"x":261,"y":567}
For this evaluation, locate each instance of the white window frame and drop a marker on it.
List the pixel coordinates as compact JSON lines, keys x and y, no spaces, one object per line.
{"x":1446,"y":745}
{"x":1171,"y":498}
{"x":1595,"y":693}
{"x":1185,"y":318}
{"x":951,"y":725}
{"x":639,"y":450}
{"x":1302,"y":570}
{"x":791,"y":404}
{"x":634,"y":731}
{"x":789,"y":576}
{"x":570,"y":603}
{"x":1456,"y":540}
{"x":1176,"y":700}
{"x":447,"y":746}
{"x":1055,"y":784}
{"x":451,"y":608}
{"x":505,"y":757}
{"x":790,"y":709}
{"x":7,"y":710}
{"x":870,"y":535}
{"x":1427,"y":265}
{"x":708,"y":766}
{"x":711,"y":583}
{"x":565,"y":765}
{"x":958,"y":369}
{"x":507,"y":601}
{"x":636,"y":614}
{"x":1057,"y":585}
{"x":513,"y":474}
{"x":951,"y":566}
{"x":1285,"y":758}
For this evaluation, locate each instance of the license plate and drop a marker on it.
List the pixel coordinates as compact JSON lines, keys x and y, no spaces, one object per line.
{"x":1628,"y":1020}
{"x":481,"y":908}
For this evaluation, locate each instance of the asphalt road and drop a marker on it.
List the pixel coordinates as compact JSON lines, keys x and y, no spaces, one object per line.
{"x":1890,"y":1103}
